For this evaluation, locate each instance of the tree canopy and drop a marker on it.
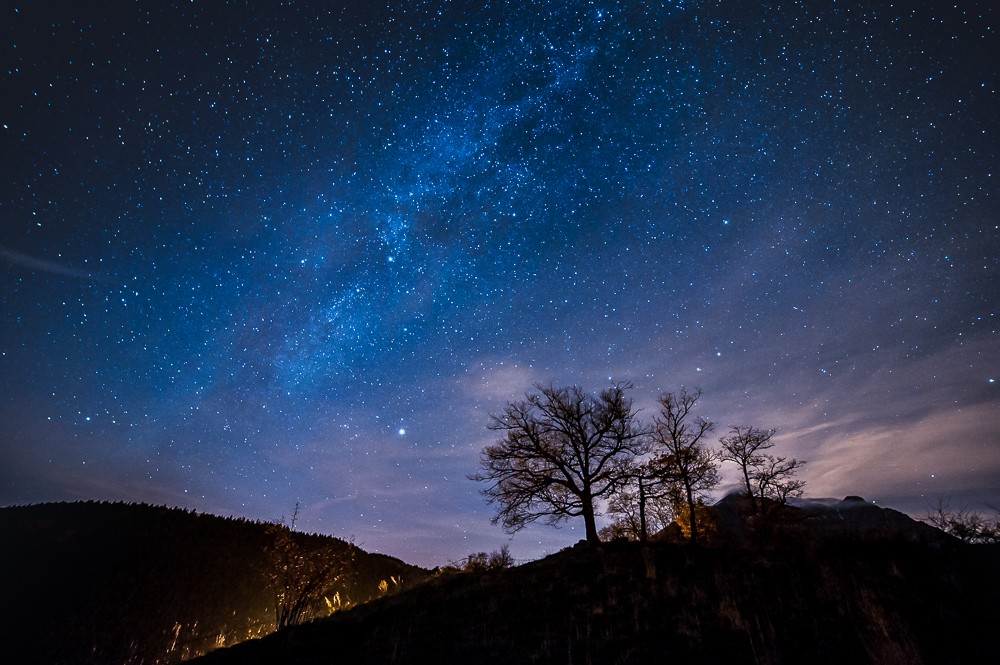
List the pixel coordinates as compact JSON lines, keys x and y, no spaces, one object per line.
{"x":765,"y":476}
{"x":560,"y":450}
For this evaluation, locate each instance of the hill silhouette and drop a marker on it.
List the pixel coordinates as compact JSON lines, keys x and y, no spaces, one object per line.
{"x":829,"y":586}
{"x":852,"y":519}
{"x":135,"y":584}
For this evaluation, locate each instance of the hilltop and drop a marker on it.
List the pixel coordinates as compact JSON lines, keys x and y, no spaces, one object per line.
{"x":822,"y":582}
{"x":833,"y":587}
{"x":136,"y":584}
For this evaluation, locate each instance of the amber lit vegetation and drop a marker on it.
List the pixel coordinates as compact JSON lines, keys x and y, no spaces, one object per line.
{"x":133,"y":584}
{"x":301,"y":573}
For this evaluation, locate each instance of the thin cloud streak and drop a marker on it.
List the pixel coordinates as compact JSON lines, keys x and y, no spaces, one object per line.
{"x":34,"y":264}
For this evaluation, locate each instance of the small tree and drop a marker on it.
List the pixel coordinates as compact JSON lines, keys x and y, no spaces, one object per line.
{"x":744,"y":446}
{"x":775,"y":479}
{"x":561,"y":450}
{"x":644,"y":509}
{"x":764,"y":475}
{"x":683,"y":460}
{"x":300,"y":571}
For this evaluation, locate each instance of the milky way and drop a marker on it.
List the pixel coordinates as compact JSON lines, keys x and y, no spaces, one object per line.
{"x":255,"y":254}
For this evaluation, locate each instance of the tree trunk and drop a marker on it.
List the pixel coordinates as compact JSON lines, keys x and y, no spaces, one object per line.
{"x":746,"y":479}
{"x":589,"y":520}
{"x":643,"y":534}
{"x":691,"y":516}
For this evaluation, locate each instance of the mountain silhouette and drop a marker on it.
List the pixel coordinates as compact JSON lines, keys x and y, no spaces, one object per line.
{"x":136,"y":584}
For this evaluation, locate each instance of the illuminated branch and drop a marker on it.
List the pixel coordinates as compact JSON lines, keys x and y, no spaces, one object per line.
{"x":683,"y":460}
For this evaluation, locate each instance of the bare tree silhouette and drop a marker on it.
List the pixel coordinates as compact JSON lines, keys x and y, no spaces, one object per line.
{"x":682,"y":458}
{"x":744,"y":446}
{"x":764,"y":475}
{"x":560,"y":451}
{"x":965,"y":524}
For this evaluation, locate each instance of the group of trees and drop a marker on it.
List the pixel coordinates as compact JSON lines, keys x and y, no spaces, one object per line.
{"x":563,"y":453}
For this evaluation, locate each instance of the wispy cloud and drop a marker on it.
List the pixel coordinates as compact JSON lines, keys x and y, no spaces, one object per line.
{"x":35,"y":264}
{"x":497,"y":382}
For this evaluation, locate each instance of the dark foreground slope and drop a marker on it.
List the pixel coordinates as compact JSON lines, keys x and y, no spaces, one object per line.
{"x":138,"y":584}
{"x":852,"y":602}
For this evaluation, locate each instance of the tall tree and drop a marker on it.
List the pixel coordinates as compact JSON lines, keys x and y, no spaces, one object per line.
{"x":560,"y":451}
{"x":744,"y":446}
{"x":682,"y":457}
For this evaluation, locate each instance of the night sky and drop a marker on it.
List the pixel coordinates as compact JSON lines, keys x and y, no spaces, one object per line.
{"x":260,"y":253}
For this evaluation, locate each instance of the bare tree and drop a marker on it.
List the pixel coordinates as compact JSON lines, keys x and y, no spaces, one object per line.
{"x":764,"y":475}
{"x":744,"y":447}
{"x":300,"y":570}
{"x":775,"y":478}
{"x":964,"y":524}
{"x":683,"y":460}
{"x":561,"y":450}
{"x":642,"y":510}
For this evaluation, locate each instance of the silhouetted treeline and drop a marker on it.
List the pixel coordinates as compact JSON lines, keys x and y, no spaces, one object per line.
{"x":94,"y":582}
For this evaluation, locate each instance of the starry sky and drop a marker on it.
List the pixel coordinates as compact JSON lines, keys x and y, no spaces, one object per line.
{"x":260,"y":253}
